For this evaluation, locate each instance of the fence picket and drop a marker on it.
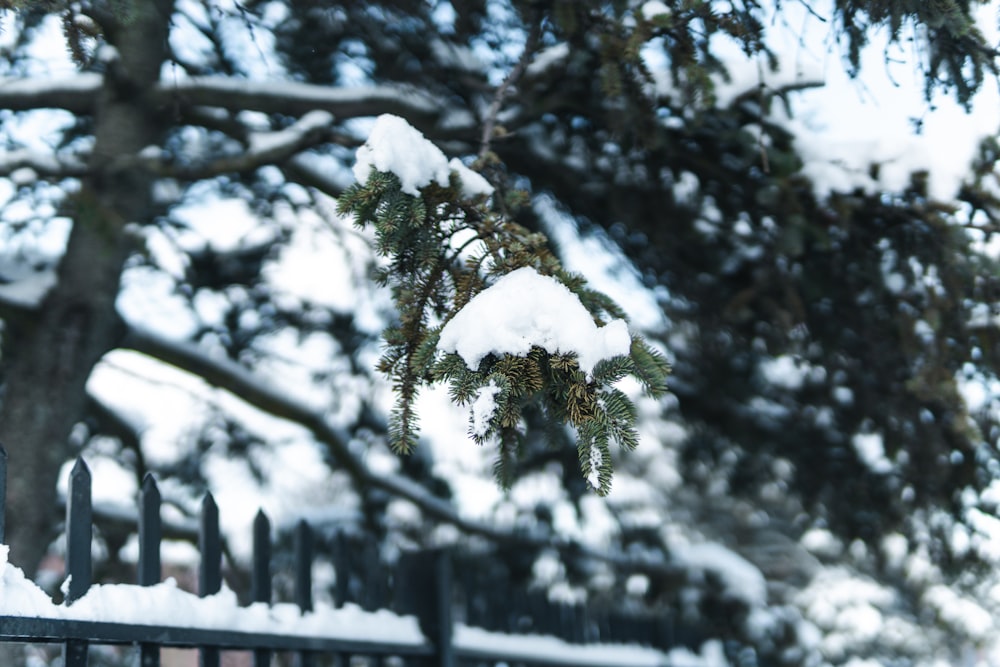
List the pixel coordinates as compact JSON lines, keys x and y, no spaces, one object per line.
{"x":79,"y":536}
{"x":3,"y":495}
{"x":303,"y":581}
{"x":210,"y":570}
{"x":341,"y":588}
{"x":422,"y":584}
{"x":149,"y":567}
{"x":260,"y":582}
{"x":424,"y":590}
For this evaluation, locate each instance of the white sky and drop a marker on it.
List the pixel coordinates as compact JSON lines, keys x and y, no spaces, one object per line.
{"x":849,"y":123}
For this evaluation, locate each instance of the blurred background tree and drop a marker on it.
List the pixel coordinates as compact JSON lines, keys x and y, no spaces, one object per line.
{"x":168,"y":162}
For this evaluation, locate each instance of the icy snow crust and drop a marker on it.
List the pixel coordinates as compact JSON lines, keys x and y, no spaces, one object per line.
{"x":524,"y":309}
{"x":167,"y":605}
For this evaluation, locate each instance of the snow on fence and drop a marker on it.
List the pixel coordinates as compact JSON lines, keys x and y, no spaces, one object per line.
{"x":155,"y":613}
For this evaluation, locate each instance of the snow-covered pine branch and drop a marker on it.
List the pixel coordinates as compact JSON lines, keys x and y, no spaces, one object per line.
{"x":485,"y":306}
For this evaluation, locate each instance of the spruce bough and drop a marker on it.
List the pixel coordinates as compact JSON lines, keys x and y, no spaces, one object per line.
{"x":444,"y":248}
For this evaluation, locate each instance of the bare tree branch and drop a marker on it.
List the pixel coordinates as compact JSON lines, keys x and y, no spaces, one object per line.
{"x":303,"y":171}
{"x":489,"y":123}
{"x":264,"y":148}
{"x":239,"y":381}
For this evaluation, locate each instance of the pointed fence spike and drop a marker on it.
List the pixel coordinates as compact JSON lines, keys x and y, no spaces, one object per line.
{"x":210,"y":546}
{"x":79,"y":531}
{"x":303,"y":566}
{"x":3,"y":494}
{"x":79,"y":535}
{"x":149,"y":481}
{"x":341,"y":565}
{"x":149,"y":570}
{"x":303,"y":582}
{"x":210,"y":571}
{"x":150,"y":532}
{"x":260,"y":584}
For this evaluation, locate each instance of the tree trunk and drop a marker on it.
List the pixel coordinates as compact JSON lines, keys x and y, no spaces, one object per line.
{"x":51,"y":353}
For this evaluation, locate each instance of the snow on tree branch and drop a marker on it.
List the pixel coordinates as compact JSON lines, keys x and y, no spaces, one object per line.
{"x":549,"y":316}
{"x":43,"y":164}
{"x":265,"y":148}
{"x":76,"y":93}
{"x":394,"y":146}
{"x":537,"y":337}
{"x":293,"y":98}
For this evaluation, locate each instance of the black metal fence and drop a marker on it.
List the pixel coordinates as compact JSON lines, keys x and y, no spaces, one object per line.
{"x":423,"y":588}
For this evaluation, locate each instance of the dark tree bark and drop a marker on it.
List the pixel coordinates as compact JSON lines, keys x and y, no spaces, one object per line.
{"x":50,"y":353}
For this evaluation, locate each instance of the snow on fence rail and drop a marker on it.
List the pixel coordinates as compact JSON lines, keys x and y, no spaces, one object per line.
{"x":155,"y":613}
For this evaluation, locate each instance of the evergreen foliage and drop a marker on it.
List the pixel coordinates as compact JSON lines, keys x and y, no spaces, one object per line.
{"x":444,"y":249}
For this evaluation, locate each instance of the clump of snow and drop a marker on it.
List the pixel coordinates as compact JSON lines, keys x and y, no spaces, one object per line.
{"x":847,"y":609}
{"x":741,"y":578}
{"x":473,"y":184}
{"x":894,"y":549}
{"x":517,"y":648}
{"x":596,"y":461}
{"x":525,"y":309}
{"x":167,"y":605}
{"x":19,"y":596}
{"x":822,"y":542}
{"x":785,"y":371}
{"x":958,"y":612}
{"x":547,"y":58}
{"x":483,"y":408}
{"x":712,"y":655}
{"x":396,"y":147}
{"x":30,"y":290}
{"x":871,"y":450}
{"x":654,"y":8}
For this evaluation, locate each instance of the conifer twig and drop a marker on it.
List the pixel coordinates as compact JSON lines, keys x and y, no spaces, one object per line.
{"x":489,"y":123}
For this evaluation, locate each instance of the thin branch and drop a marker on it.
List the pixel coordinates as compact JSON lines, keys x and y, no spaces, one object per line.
{"x":301,"y":170}
{"x":232,"y":377}
{"x":489,"y":123}
{"x":264,"y":148}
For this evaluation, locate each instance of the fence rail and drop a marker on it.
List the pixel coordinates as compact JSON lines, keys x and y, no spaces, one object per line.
{"x":424,"y":591}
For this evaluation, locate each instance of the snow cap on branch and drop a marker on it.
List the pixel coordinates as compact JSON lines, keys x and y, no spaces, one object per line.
{"x":524,"y":309}
{"x":397,"y":147}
